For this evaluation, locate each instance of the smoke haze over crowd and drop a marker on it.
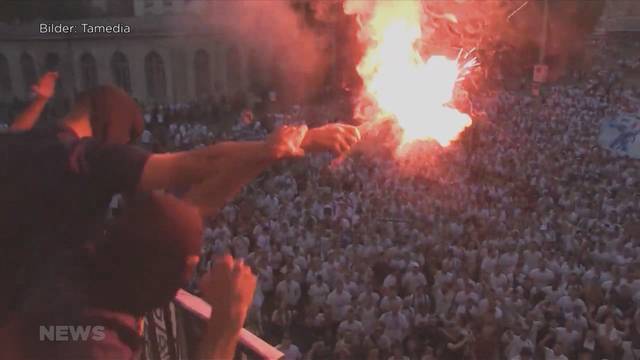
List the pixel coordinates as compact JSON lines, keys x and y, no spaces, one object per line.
{"x":277,"y":33}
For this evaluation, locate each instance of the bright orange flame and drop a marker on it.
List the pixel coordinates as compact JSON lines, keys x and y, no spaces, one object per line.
{"x":398,"y":81}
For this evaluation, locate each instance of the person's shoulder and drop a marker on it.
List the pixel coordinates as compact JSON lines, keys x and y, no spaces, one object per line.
{"x":38,"y":136}
{"x":42,"y":145}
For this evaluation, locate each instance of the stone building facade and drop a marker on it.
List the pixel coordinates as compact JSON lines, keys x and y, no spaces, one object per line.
{"x":620,"y":16}
{"x":174,"y":52}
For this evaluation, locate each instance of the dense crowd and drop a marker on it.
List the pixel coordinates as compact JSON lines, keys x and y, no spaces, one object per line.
{"x":517,"y":241}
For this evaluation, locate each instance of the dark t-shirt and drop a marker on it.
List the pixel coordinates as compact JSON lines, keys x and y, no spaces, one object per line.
{"x":55,"y":190}
{"x":88,"y":334}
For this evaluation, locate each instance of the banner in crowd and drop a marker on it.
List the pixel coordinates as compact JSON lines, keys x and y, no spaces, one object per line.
{"x":621,"y":134}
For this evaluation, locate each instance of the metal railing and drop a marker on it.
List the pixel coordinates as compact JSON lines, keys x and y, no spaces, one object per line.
{"x":202,"y":310}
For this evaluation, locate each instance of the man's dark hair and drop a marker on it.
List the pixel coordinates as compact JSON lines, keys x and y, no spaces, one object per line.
{"x":115,"y":117}
{"x":142,"y":262}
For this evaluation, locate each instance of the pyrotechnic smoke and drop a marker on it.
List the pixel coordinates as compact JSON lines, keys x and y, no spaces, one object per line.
{"x":571,"y":24}
{"x":517,"y":26}
{"x":285,"y":45}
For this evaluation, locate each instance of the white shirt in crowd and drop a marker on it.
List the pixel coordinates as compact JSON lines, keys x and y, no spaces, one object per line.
{"x":318,"y":293}
{"x":395,"y":325}
{"x":289,"y":290}
{"x":339,"y":301}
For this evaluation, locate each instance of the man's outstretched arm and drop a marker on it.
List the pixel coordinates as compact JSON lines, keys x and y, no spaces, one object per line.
{"x":219,"y":171}
{"x":211,"y":195}
{"x":187,"y":168}
{"x":44,"y":90}
{"x":219,"y":188}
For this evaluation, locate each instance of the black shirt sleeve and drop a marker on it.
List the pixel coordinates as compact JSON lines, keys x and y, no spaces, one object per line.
{"x":112,"y":167}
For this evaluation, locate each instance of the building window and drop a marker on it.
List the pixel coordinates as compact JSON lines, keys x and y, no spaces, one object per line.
{"x":148,"y":3}
{"x":156,"y":78}
{"x":5,"y":77}
{"x":120,"y":71}
{"x":234,"y":72}
{"x":168,"y":2}
{"x":29,"y":75}
{"x":89,"y":71}
{"x":52,"y":62}
{"x":202,"y":74}
{"x":120,"y":8}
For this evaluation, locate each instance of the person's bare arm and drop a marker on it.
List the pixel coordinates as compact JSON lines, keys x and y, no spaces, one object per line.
{"x":212,"y":194}
{"x":228,"y":288}
{"x":192,"y":167}
{"x":44,"y":90}
{"x":220,"y":171}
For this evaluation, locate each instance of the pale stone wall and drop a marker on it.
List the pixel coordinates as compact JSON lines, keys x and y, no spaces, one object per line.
{"x":157,"y":7}
{"x":176,"y":46}
{"x":174,"y":29}
{"x":620,"y":15}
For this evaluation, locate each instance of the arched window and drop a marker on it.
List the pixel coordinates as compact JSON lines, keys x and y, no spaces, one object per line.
{"x":52,"y":62}
{"x":28,"y":67}
{"x":89,"y":71}
{"x":120,"y":71}
{"x":156,"y":78}
{"x":5,"y":77}
{"x":202,"y":74}
{"x":234,"y":72}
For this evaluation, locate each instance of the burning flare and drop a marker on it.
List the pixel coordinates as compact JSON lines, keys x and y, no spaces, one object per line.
{"x":398,"y":82}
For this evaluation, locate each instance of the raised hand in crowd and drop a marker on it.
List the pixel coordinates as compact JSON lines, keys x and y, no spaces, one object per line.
{"x":46,"y":86}
{"x":43,"y":90}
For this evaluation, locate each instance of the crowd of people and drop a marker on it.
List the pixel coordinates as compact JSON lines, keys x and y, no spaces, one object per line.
{"x":518,"y":241}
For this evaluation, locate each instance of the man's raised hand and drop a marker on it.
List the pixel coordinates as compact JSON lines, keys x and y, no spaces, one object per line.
{"x":228,"y":287}
{"x":337,"y":138}
{"x":46,"y":86}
